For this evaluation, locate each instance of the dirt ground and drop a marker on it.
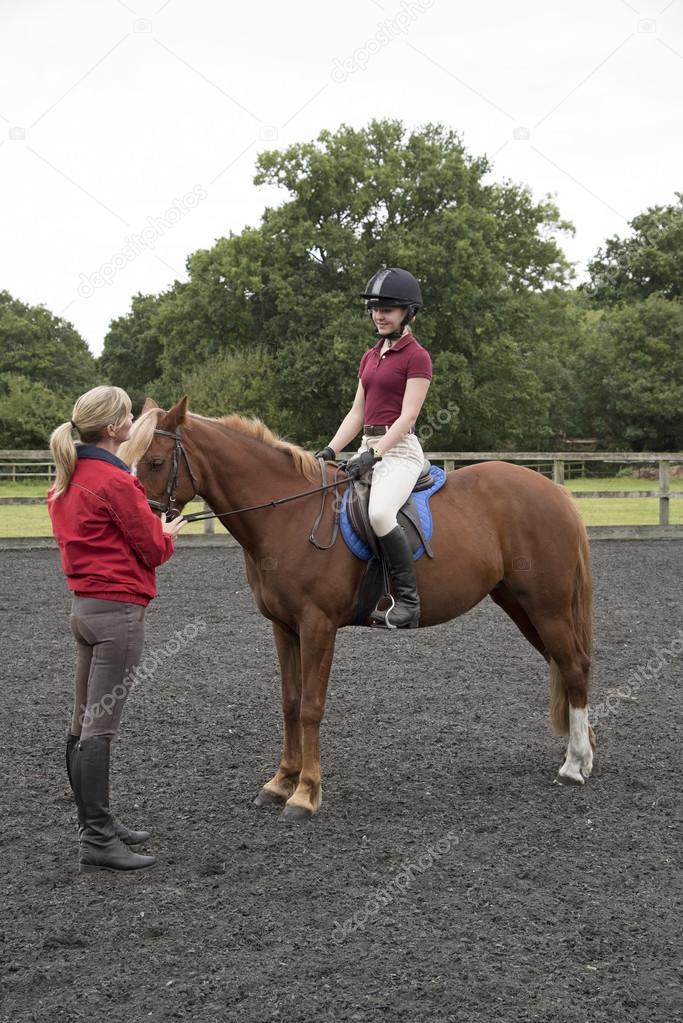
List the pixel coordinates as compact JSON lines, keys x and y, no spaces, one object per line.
{"x":446,"y":878}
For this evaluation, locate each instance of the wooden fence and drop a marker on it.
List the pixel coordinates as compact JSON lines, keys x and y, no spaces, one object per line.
{"x":560,"y":459}
{"x":34,"y":465}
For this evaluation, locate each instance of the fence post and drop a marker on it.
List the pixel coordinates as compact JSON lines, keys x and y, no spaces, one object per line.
{"x":663,"y":493}
{"x":558,"y":471}
{"x":208,"y":523}
{"x":448,"y":465}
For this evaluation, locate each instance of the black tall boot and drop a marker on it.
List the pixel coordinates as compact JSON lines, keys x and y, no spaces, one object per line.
{"x":100,"y":849}
{"x":72,"y":774}
{"x":405,"y":614}
{"x":122,"y":832}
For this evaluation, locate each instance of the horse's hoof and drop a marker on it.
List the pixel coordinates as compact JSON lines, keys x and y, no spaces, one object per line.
{"x":295,"y":815}
{"x":267,"y":798}
{"x":567,"y":779}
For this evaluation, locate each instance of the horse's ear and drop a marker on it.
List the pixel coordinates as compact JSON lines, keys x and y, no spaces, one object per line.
{"x":149,"y":404}
{"x":176,"y":415}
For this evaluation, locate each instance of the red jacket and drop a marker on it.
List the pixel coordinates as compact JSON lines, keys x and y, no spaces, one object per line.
{"x":109,"y":538}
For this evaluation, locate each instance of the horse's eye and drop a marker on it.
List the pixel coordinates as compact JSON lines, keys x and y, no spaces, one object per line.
{"x":155,"y":464}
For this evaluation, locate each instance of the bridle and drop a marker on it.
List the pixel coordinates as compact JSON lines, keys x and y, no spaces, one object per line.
{"x":170,"y":509}
{"x":179,"y":453}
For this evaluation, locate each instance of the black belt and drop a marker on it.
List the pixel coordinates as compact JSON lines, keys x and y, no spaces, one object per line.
{"x":377,"y":431}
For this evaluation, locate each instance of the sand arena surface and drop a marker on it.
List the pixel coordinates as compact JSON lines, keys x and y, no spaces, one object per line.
{"x":445,"y":878}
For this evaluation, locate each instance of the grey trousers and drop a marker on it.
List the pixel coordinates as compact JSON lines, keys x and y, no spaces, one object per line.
{"x":109,"y":636}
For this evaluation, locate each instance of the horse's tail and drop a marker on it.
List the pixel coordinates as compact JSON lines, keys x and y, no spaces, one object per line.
{"x":582,"y":628}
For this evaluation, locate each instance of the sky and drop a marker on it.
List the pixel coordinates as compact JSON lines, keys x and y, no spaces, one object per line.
{"x":129,"y":129}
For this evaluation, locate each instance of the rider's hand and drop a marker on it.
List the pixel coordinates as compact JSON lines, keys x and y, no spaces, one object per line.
{"x":173,"y":527}
{"x":327,"y":454}
{"x":359,"y":464}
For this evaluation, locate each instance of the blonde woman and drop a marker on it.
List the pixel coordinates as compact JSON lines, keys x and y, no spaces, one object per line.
{"x":110,"y":543}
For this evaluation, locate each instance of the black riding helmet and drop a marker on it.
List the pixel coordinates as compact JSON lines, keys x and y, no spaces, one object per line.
{"x":393,"y":287}
{"x":397,"y":288}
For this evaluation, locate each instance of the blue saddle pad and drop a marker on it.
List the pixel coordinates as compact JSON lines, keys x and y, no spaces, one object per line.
{"x":359,"y":547}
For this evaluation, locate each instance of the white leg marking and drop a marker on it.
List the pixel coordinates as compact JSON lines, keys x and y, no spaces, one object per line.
{"x":579,"y":760}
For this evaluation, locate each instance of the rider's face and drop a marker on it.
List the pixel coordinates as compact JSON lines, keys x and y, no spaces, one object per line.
{"x":387,"y":319}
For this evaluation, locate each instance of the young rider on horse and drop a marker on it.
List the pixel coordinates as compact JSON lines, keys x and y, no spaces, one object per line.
{"x":394,"y":378}
{"x":110,"y":542}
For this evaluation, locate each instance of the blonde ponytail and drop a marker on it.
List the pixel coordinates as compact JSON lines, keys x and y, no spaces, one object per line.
{"x":92,"y":413}
{"x":64,"y":453}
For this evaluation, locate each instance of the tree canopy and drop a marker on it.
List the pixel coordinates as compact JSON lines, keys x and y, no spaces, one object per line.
{"x":44,"y":365}
{"x":356,"y":200}
{"x":648,"y":262}
{"x":270,"y":321}
{"x":42,"y":347}
{"x":630,"y":372}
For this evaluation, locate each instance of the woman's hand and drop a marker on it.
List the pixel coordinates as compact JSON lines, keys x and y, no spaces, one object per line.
{"x":173,"y":527}
{"x":359,"y":464}
{"x":327,"y":454}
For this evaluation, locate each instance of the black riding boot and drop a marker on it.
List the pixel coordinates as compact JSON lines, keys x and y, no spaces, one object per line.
{"x":405,"y":614}
{"x":122,"y":832}
{"x":71,"y":770}
{"x":100,"y":848}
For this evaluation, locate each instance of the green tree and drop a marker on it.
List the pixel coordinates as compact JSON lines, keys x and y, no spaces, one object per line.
{"x":381,"y":196}
{"x":44,"y":365}
{"x":550,"y":328}
{"x":361,"y":199}
{"x":243,"y":382}
{"x":29,"y":412}
{"x":631,"y":374}
{"x":219,"y":308}
{"x":132,"y":348}
{"x":358,"y":199}
{"x":648,"y":262}
{"x":43,"y":348}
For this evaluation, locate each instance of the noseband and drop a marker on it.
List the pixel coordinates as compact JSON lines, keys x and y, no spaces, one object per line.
{"x":179,"y":453}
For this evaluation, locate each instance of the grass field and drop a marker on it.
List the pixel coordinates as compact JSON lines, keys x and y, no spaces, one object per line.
{"x":33,"y":520}
{"x":625,"y":511}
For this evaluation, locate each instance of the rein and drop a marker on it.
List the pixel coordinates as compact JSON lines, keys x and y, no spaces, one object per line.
{"x":179,"y":453}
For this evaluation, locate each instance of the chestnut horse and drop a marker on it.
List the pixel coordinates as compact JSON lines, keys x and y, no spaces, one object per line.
{"x":499,"y":530}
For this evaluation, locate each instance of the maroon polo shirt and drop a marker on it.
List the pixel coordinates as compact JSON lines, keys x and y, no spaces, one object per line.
{"x":384,"y":377}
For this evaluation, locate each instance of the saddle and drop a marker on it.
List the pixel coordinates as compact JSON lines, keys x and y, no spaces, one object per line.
{"x":415,"y":517}
{"x":409,"y":518}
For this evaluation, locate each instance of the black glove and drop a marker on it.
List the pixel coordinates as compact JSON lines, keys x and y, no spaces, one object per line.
{"x":327,"y":455}
{"x":359,"y":464}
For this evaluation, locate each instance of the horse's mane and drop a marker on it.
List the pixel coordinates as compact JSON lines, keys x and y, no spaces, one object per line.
{"x":304,"y":462}
{"x":142,"y":434}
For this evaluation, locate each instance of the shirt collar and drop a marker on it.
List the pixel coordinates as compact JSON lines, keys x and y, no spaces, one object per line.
{"x":397,"y":345}
{"x":102,"y":455}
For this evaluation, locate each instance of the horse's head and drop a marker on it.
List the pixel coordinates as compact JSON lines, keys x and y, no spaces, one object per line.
{"x":157,"y":448}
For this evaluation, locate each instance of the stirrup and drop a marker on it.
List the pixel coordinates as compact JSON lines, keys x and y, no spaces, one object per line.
{"x":387,"y":623}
